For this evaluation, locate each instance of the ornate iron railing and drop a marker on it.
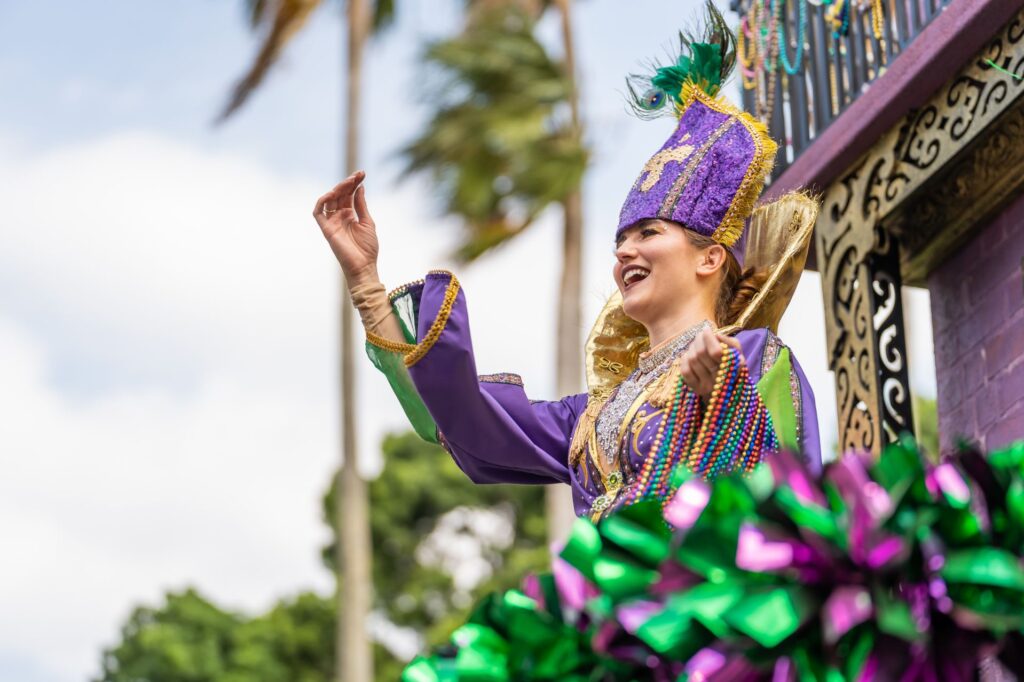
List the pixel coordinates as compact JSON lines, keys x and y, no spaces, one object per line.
{"x":803,"y":62}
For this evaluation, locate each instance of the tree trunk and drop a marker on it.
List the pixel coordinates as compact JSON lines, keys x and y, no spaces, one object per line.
{"x":354,"y":582}
{"x":569,"y":354}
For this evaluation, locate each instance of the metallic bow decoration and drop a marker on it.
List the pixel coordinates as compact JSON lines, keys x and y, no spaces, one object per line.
{"x":895,"y":569}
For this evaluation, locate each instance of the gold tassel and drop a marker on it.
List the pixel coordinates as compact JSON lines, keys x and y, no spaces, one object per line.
{"x":584,"y":427}
{"x":665,"y":390}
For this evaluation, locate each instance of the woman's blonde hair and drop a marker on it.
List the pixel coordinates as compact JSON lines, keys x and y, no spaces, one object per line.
{"x":738,"y":286}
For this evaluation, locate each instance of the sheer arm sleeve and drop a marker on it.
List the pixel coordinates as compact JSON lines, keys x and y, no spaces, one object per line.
{"x":492,"y":430}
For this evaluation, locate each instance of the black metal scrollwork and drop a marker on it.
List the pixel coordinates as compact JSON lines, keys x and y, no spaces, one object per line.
{"x":859,"y":257}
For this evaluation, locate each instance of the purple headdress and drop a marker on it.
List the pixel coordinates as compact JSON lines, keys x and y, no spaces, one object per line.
{"x":710,"y":172}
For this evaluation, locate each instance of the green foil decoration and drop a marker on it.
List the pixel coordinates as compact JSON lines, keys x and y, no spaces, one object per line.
{"x":896,"y":569}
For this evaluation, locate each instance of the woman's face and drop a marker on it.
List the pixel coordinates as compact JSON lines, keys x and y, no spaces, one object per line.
{"x":656,"y":267}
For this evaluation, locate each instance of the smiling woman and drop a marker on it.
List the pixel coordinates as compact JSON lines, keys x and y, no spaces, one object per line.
{"x":684,"y":368}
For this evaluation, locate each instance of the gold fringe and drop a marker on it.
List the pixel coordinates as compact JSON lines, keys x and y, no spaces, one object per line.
{"x":665,"y":389}
{"x":414,"y":352}
{"x":585,"y":426}
{"x":765,"y":149}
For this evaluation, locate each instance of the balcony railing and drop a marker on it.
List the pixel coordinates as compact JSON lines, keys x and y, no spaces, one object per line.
{"x":801,"y":92}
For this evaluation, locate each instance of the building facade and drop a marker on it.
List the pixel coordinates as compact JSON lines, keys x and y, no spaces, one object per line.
{"x":908,"y":117}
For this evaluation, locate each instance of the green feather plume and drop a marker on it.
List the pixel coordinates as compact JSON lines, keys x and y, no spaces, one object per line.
{"x":706,"y":59}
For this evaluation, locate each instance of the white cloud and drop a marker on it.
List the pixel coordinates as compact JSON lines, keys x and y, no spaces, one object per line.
{"x":168,"y":348}
{"x":109,"y":502}
{"x":127,"y":255}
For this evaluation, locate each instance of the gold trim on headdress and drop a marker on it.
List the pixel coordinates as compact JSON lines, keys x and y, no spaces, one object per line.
{"x":765,"y":148}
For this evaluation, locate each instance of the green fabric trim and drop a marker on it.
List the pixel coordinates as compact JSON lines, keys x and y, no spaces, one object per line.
{"x":774,"y":390}
{"x":397,"y":374}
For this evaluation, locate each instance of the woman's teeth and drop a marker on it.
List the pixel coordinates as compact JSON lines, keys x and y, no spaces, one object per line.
{"x":634,"y":274}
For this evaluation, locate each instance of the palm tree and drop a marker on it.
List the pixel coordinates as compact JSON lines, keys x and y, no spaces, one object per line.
{"x":568,"y":357}
{"x":280,"y":21}
{"x":504,"y":144}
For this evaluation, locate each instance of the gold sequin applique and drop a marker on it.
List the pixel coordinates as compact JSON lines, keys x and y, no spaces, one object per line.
{"x":656,"y":165}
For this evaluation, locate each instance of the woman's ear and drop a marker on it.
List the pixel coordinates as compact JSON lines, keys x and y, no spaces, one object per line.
{"x":712,"y":259}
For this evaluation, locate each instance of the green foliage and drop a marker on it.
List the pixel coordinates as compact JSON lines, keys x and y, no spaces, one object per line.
{"x":926,"y":424}
{"x":184,"y":641}
{"x":294,"y":642}
{"x":418,"y":485}
{"x":190,"y":639}
{"x":500,"y":146}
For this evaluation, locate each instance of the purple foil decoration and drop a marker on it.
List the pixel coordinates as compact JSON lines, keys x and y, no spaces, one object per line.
{"x":868,"y":506}
{"x":951,"y":484}
{"x":674,"y":577}
{"x":704,"y":663}
{"x":784,"y":671}
{"x":606,"y":633}
{"x":531,"y":588}
{"x":754,"y":552}
{"x":885,"y":552}
{"x":870,"y":669}
{"x":788,"y":469}
{"x":572,"y":586}
{"x":632,"y":616}
{"x":845,"y":608}
{"x":687,"y":505}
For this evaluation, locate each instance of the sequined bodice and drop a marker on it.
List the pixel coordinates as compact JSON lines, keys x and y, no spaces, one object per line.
{"x":652,"y":366}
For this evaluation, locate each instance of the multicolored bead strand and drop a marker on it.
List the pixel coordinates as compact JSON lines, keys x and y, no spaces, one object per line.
{"x":747,"y":54}
{"x":737,"y":432}
{"x":793,"y":68}
{"x":733,"y":434}
{"x":667,"y":447}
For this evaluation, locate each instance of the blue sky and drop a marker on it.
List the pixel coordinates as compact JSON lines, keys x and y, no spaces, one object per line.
{"x":167,"y":306}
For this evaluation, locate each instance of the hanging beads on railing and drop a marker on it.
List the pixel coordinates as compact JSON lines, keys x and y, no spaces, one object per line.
{"x":747,"y":54}
{"x":771,"y":60}
{"x":759,"y":40}
{"x":877,"y":19}
{"x":823,"y":54}
{"x":792,"y":68}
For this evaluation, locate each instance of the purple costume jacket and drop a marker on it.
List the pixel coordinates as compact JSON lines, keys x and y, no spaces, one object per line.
{"x":496,"y":434}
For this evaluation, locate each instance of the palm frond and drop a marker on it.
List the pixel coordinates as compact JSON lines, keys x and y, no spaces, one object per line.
{"x":256,"y":9}
{"x":383,"y":14}
{"x":289,"y":16}
{"x":499,"y":148}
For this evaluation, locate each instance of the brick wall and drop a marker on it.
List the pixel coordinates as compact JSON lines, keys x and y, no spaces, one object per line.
{"x":977,"y":301}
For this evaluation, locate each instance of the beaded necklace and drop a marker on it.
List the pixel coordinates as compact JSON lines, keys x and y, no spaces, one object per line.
{"x":747,"y":54}
{"x":793,"y":68}
{"x":733,"y":435}
{"x":770,"y":64}
{"x":650,"y":367}
{"x":876,"y":18}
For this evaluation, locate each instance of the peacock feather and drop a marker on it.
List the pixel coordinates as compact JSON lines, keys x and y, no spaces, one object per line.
{"x":706,"y":60}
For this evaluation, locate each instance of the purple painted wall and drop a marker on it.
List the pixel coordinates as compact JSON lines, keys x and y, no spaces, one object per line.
{"x":977,"y":299}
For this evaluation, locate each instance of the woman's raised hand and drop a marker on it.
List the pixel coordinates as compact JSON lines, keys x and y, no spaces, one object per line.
{"x":346,"y":223}
{"x":699,"y":364}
